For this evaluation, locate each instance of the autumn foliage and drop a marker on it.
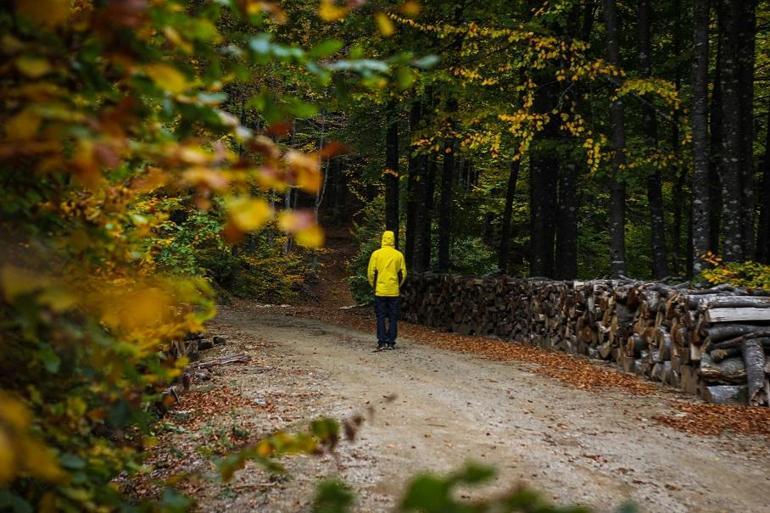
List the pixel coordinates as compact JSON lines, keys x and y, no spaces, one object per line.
{"x":110,"y":109}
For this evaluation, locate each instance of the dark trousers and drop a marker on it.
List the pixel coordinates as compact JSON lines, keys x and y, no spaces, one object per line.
{"x":386,"y":308}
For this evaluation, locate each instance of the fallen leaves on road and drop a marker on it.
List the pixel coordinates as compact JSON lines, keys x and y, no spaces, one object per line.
{"x":715,"y":419}
{"x":575,"y":371}
{"x":204,"y":405}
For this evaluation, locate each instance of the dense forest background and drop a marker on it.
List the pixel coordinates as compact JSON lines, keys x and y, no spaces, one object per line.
{"x":561,"y":139}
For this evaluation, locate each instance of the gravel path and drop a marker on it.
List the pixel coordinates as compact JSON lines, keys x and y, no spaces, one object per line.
{"x":598,"y":449}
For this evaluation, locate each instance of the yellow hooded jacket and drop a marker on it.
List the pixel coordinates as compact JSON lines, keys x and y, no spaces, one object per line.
{"x":385,"y":264}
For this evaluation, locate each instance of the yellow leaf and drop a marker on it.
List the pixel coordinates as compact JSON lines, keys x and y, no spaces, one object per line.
{"x":17,"y":281}
{"x":49,"y":13}
{"x":9,"y":44}
{"x":330,"y":11}
{"x":58,"y":299}
{"x":384,"y":24}
{"x":167,"y":77}
{"x":13,"y":412}
{"x":312,"y":237}
{"x":176,"y":39}
{"x":264,"y":449}
{"x":23,"y":126}
{"x":294,"y":221}
{"x":47,"y":503}
{"x":7,"y":458}
{"x":249,"y":214}
{"x":33,"y":67}
{"x":306,"y":168}
{"x":206,"y":178}
{"x":40,"y":461}
{"x":410,"y":8}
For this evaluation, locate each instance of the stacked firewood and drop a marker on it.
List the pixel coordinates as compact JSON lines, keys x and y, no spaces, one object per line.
{"x":711,"y":342}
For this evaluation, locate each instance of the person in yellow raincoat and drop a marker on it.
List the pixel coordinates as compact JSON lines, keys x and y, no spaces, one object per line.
{"x":386,"y":273}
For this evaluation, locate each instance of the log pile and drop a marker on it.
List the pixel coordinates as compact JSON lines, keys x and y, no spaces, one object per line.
{"x":714,"y":342}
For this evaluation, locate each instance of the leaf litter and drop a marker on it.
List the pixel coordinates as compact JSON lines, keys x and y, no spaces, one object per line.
{"x":691,"y":417}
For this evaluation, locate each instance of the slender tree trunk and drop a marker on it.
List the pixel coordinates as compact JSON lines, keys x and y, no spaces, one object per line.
{"x":447,"y":191}
{"x":700,"y":135}
{"x":445,"y":207}
{"x":715,"y":160}
{"x":678,"y":211}
{"x":763,"y":235}
{"x":732,"y":190}
{"x":391,"y":173}
{"x":650,"y":128}
{"x":505,"y":231}
{"x":414,"y":182}
{"x":566,"y":223}
{"x":747,"y":21}
{"x":680,"y":172}
{"x":543,"y":179}
{"x":425,"y":228}
{"x":618,"y":140}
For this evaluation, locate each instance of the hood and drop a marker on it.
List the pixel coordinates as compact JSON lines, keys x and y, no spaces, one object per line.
{"x":388,"y":238}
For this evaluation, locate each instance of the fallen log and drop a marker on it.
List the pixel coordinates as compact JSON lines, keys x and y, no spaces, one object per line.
{"x":722,"y":332}
{"x":724,"y":394}
{"x":738,"y":341}
{"x":224,"y":360}
{"x":737,"y":314}
{"x":754,"y":360}
{"x":738,"y":302}
{"x":730,"y":370}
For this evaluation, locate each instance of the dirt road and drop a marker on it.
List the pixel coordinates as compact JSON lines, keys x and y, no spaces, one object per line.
{"x":576,"y":446}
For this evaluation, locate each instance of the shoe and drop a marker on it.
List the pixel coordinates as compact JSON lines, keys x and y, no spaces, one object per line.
{"x":391,"y":347}
{"x":380,"y":347}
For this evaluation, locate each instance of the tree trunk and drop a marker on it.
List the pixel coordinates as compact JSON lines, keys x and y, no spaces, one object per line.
{"x":445,"y":206}
{"x":763,"y":234}
{"x":543,"y":171}
{"x":447,"y":189}
{"x":715,"y":156}
{"x":425,"y":227}
{"x":745,"y":60}
{"x":391,"y":173}
{"x":505,"y":231}
{"x":650,"y":128}
{"x":566,"y":223}
{"x":700,"y":144}
{"x":415,"y":182}
{"x":732,"y":191}
{"x":617,"y":208}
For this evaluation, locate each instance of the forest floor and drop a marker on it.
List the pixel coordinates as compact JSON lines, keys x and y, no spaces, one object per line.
{"x":580,"y":431}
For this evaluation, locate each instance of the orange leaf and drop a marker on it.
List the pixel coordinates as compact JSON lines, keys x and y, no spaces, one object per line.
{"x":48,"y":13}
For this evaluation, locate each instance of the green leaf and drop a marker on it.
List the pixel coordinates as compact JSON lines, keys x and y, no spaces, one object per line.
{"x":173,"y":501}
{"x":427,"y":493}
{"x":474,"y":473}
{"x":50,"y":359}
{"x":332,"y":497}
{"x":405,"y":77}
{"x":326,"y":48}
{"x":301,"y":109}
{"x":12,"y":502}
{"x":71,"y":461}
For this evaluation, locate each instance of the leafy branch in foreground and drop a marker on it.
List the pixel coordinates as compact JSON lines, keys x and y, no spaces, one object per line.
{"x":431,"y":493}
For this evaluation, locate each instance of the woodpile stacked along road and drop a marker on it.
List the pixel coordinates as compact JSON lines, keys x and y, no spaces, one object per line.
{"x":711,"y":342}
